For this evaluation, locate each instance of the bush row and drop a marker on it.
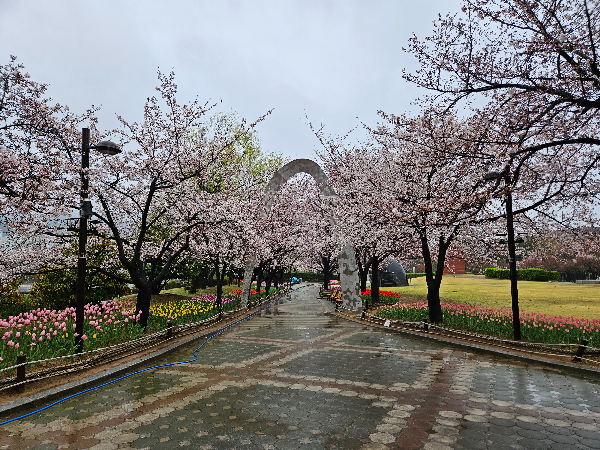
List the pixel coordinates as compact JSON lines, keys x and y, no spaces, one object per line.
{"x":523,"y":274}
{"x":311,"y":276}
{"x":415,"y":275}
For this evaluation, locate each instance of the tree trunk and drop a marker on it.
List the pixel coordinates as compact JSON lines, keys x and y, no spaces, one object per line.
{"x":326,"y":272}
{"x":143,"y":304}
{"x":433,"y":282}
{"x":268,"y":281}
{"x":220,"y":279}
{"x":194,"y":282}
{"x":363,"y":271}
{"x":203,"y":278}
{"x":375,"y":280}
{"x":210,"y":279}
{"x":259,"y":280}
{"x":157,"y":288}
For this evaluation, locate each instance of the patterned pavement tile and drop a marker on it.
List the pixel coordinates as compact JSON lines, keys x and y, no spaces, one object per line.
{"x":294,"y":377}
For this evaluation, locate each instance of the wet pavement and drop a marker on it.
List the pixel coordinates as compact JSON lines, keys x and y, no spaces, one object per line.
{"x":295,"y":377}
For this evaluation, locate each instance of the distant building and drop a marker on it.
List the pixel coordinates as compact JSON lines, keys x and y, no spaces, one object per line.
{"x":455,"y":266}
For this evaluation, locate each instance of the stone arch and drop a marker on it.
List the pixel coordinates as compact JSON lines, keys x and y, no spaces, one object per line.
{"x":346,"y":259}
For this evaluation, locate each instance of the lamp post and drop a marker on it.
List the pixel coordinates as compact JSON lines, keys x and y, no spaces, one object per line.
{"x":512,"y":256}
{"x":107,"y":148}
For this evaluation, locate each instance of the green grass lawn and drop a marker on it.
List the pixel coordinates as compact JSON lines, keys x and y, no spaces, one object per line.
{"x":554,"y":298}
{"x":199,"y":292}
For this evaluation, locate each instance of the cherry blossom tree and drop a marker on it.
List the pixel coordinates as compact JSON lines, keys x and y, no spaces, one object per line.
{"x":541,"y":54}
{"x":526,"y":70}
{"x":351,"y":169}
{"x":38,"y":141}
{"x":320,"y":245}
{"x":172,"y":178}
{"x":37,"y":137}
{"x":414,"y":185}
{"x":286,"y":235}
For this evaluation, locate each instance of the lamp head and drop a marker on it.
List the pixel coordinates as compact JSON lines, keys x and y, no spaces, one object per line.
{"x":107,"y":148}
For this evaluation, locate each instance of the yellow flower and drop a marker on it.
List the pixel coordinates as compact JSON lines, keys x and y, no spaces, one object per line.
{"x":94,"y":336}
{"x":67,"y":334}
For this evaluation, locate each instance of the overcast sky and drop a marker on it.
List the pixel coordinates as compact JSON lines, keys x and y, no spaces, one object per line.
{"x":331,"y":60}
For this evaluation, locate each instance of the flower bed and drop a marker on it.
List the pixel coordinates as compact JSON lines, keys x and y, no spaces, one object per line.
{"x":384,"y":296}
{"x":42,"y":333}
{"x":189,"y":311}
{"x":254,"y":294}
{"x":535,"y":327}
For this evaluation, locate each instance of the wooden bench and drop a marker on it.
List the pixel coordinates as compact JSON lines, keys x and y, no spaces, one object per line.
{"x":337,"y":298}
{"x":325,"y":294}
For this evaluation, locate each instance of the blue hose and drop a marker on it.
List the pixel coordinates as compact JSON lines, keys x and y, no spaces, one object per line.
{"x":144,"y":370}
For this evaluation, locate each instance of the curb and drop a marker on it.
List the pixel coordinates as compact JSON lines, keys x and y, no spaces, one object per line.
{"x":44,"y":398}
{"x":480,"y":349}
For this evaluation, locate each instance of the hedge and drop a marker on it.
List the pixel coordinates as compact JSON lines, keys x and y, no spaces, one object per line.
{"x":416,"y":275}
{"x":523,"y":274}
{"x":311,"y":276}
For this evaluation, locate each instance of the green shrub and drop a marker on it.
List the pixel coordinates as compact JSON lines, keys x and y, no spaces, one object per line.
{"x":503,"y":274}
{"x":172,"y":284}
{"x":314,"y":277}
{"x":12,"y":302}
{"x":415,"y":275}
{"x":523,"y":274}
{"x":56,"y":287}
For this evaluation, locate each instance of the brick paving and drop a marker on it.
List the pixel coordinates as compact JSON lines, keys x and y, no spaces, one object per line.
{"x":296,"y":377}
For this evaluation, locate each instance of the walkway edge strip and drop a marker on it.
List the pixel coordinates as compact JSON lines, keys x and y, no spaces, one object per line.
{"x":33,"y":401}
{"x":491,"y":350}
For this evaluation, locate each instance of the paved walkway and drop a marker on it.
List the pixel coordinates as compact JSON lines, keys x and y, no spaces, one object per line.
{"x":297,"y":378}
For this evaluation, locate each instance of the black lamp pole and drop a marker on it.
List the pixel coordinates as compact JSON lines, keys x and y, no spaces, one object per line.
{"x":107,"y":148}
{"x":512,"y":259}
{"x":82,"y":259}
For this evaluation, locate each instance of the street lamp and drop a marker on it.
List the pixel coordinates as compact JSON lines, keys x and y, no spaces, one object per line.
{"x":512,"y":257}
{"x":106,"y":148}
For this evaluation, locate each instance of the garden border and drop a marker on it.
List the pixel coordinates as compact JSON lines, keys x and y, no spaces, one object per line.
{"x":44,"y":398}
{"x":456,"y":341}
